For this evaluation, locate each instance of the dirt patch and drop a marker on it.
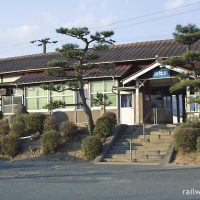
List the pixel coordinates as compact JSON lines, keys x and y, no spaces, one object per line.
{"x":187,"y":159}
{"x":70,"y":150}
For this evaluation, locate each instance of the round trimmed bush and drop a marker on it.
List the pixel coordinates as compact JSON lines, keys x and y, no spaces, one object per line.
{"x":112,"y":116}
{"x":49,"y":123}
{"x":103,"y":127}
{"x":19,"y":109}
{"x":1,"y":115}
{"x":18,"y":128}
{"x":4,"y":129}
{"x":34,"y":122}
{"x":10,"y":145}
{"x":50,"y":141}
{"x":198,"y":144}
{"x":68,"y":130}
{"x":18,"y":118}
{"x":185,"y":138}
{"x":91,"y":147}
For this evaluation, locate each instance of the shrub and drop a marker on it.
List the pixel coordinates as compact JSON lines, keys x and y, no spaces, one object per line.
{"x":34,"y":122}
{"x":103,"y":127}
{"x":17,"y":118}
{"x":49,"y":123}
{"x":18,"y":128}
{"x":10,"y":145}
{"x":198,"y":144}
{"x":185,"y":138}
{"x":68,"y":130}
{"x":1,"y":115}
{"x":91,"y":147}
{"x":4,"y":129}
{"x":112,"y":117}
{"x":19,"y":109}
{"x":50,"y":141}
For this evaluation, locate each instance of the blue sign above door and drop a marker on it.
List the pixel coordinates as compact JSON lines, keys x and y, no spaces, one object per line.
{"x":161,"y":73}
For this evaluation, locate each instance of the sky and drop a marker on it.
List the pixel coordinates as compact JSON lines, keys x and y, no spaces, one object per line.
{"x":23,"y":21}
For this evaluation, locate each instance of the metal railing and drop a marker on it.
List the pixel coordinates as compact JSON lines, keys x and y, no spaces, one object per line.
{"x":142,"y":125}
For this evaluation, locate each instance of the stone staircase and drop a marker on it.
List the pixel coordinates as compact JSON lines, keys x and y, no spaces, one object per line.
{"x":152,"y":149}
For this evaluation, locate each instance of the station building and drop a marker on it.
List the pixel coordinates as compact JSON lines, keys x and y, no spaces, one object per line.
{"x":137,"y":86}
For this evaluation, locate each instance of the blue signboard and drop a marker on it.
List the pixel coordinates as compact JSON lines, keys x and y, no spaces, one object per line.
{"x":161,"y":73}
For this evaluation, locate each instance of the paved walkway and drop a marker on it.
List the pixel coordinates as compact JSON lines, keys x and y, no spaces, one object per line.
{"x":74,"y":180}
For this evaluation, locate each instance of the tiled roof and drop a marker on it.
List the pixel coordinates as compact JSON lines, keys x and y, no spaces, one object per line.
{"x":144,"y":51}
{"x":116,"y":53}
{"x":117,"y":71}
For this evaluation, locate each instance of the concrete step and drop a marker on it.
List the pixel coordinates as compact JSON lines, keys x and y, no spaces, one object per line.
{"x":142,"y":145}
{"x":138,"y":151}
{"x":162,"y":133}
{"x":135,"y":156}
{"x":161,"y":126}
{"x":150,"y":141}
{"x":135,"y":160}
{"x":157,"y":136}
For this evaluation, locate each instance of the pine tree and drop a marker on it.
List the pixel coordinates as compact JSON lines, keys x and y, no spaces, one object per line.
{"x":187,"y":35}
{"x":79,"y":59}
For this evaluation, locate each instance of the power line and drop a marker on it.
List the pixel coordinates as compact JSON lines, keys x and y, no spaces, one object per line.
{"x":135,"y":18}
{"x":156,"y":19}
{"x":147,"y":15}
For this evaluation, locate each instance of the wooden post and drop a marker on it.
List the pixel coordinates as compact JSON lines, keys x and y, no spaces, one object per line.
{"x":137,"y":102}
{"x":178,"y":108}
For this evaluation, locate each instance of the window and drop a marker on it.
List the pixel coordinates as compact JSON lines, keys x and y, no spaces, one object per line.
{"x":126,"y":100}
{"x":36,"y":98}
{"x":9,"y":102}
{"x":194,"y":107}
{"x":104,"y":87}
{"x":66,"y":96}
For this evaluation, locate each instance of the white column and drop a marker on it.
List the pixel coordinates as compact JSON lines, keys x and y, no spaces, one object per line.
{"x":187,"y":98}
{"x":137,"y":103}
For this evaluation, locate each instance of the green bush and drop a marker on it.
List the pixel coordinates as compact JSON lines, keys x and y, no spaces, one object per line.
{"x":185,"y":138}
{"x":1,"y":136}
{"x":50,"y":141}
{"x":1,"y":115}
{"x":18,"y":128}
{"x":91,"y":147}
{"x":68,"y":130}
{"x":49,"y":123}
{"x":198,"y":144}
{"x":34,"y":122}
{"x":103,"y":127}
{"x":4,"y":129}
{"x":19,"y":109}
{"x":19,"y":118}
{"x":112,"y":116}
{"x":10,"y":145}
{"x":192,"y":122}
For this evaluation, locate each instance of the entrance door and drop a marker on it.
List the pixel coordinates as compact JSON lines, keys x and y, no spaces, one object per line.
{"x":126,"y":110}
{"x":162,"y":100}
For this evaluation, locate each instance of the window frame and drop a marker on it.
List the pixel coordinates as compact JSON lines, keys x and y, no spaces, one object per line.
{"x":115,"y":83}
{"x":36,"y":97}
{"x":12,"y":100}
{"x":60,"y":94}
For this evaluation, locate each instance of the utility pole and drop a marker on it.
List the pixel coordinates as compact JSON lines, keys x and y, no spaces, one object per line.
{"x":43,"y":43}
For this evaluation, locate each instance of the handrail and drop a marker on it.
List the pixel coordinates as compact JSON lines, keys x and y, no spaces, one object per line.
{"x":143,"y":128}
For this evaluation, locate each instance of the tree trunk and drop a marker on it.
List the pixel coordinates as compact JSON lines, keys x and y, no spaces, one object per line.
{"x":194,"y":71}
{"x":86,"y":107}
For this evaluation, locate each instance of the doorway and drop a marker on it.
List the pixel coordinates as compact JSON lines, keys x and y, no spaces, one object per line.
{"x":126,"y":108}
{"x":161,"y":99}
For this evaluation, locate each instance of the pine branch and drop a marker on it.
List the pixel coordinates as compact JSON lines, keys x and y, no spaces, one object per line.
{"x":184,"y":84}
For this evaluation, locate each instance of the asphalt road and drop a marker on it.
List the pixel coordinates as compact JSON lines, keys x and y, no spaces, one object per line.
{"x":74,"y":180}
